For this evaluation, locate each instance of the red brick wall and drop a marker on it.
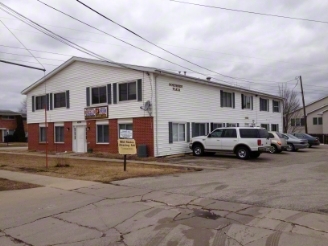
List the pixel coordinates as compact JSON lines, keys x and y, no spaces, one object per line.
{"x":143,"y":133}
{"x":8,"y":124}
{"x":33,"y":138}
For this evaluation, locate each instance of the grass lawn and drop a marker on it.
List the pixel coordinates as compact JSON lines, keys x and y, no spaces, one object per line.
{"x":6,"y":184}
{"x":82,"y":169}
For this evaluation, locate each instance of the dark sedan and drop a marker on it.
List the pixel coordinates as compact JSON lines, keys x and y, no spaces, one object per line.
{"x":311,"y":140}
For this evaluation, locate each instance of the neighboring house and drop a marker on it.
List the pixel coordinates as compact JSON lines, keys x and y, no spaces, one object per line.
{"x":8,"y":123}
{"x":90,"y":104}
{"x":317,"y":119}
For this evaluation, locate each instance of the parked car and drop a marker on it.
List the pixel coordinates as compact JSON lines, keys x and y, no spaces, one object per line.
{"x":245,"y":142}
{"x":278,"y":142}
{"x":294,"y":143}
{"x":311,"y":140}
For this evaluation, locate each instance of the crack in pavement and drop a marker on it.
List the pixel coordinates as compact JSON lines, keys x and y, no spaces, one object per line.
{"x":16,"y":240}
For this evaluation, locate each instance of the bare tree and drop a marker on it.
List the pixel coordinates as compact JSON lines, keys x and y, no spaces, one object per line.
{"x":23,"y":107}
{"x":291,"y":108}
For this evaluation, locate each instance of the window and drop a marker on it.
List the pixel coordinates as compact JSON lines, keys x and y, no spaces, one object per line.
{"x":229,"y":133}
{"x":271,"y":135}
{"x":40,"y":102}
{"x":246,"y":102}
{"x":217,"y":125}
{"x":317,"y":121}
{"x":264,"y":104}
{"x":102,"y":134}
{"x":126,"y":127}
{"x":127,"y":91}
{"x":60,"y":100}
{"x":297,"y":122}
{"x":59,"y":134}
{"x":217,"y":133}
{"x":8,"y":117}
{"x":43,"y":134}
{"x":198,"y":129}
{"x":179,"y":132}
{"x":227,"y":99}
{"x":274,"y":127}
{"x":276,"y":106}
{"x":99,"y":95}
{"x":265,"y":126}
{"x":253,"y":133}
{"x":232,"y":124}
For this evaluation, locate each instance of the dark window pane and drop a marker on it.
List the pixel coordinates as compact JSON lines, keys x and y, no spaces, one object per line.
{"x":102,"y":94}
{"x":227,"y":99}
{"x":263,"y":133}
{"x":249,"y":133}
{"x":263,"y":104}
{"x":230,"y":133}
{"x":95,"y":96}
{"x":216,"y":134}
{"x":132,"y":91}
{"x":40,"y":102}
{"x":59,"y":134}
{"x":60,"y":100}
{"x":320,"y":121}
{"x":123,"y":92}
{"x":102,"y":134}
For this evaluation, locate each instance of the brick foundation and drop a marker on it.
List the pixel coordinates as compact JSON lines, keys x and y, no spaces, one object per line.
{"x":143,"y":133}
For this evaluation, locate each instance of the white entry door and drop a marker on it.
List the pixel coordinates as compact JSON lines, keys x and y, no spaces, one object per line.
{"x":79,"y":139}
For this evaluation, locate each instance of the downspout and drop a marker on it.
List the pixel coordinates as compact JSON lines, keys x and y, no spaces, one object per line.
{"x":156,"y":113}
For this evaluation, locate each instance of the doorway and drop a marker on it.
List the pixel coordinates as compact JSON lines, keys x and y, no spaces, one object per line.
{"x":79,"y":139}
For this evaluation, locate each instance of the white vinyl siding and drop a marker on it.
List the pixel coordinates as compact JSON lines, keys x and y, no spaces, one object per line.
{"x":198,"y":103}
{"x":76,"y":78}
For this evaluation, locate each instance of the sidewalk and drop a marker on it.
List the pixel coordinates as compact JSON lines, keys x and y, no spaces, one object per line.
{"x":116,"y":160}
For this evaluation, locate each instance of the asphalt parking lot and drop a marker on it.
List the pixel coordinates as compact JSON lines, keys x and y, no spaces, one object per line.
{"x":227,"y":161}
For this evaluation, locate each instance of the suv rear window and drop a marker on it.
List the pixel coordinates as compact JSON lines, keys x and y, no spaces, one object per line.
{"x":253,"y":133}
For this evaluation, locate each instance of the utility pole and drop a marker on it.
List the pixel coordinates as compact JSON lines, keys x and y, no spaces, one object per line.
{"x":304,"y":111}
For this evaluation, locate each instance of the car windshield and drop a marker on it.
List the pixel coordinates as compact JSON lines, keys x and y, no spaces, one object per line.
{"x":307,"y":135}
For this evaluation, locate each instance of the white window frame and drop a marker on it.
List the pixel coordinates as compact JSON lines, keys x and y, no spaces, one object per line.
{"x":103,"y":124}
{"x":101,"y":103}
{"x":118,"y":91}
{"x":274,"y":107}
{"x":178,"y":133}
{"x":268,"y":104}
{"x":245,"y":102}
{"x":124,"y":123}
{"x":46,"y":133}
{"x":53,"y":100}
{"x":277,"y":126}
{"x":267,"y":126}
{"x":35,"y":102}
{"x":55,"y":134}
{"x":224,"y":100}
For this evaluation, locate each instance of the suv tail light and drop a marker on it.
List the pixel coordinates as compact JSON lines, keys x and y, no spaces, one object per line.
{"x":259,"y":142}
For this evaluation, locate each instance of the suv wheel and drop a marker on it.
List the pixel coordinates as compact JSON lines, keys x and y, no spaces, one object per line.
{"x":243,"y":153}
{"x":198,"y":150}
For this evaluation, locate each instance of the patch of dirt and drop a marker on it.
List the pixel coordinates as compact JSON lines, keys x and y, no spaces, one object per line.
{"x":100,"y":171}
{"x":6,"y":184}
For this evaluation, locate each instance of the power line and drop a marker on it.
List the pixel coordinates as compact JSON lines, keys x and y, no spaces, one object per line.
{"x":249,"y":12}
{"x":31,"y":62}
{"x":30,"y":56}
{"x":22,"y":65}
{"x":35,"y":50}
{"x":148,"y":41}
{"x":21,"y":43}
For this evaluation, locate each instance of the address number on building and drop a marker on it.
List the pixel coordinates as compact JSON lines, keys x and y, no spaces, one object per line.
{"x":176,"y":87}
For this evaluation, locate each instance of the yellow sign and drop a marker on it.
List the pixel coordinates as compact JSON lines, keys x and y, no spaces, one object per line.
{"x":127,"y":146}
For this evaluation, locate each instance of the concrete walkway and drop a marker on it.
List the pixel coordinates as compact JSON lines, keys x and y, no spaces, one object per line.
{"x":73,"y":213}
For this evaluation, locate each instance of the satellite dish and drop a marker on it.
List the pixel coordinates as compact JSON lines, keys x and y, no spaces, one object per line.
{"x":146,"y":106}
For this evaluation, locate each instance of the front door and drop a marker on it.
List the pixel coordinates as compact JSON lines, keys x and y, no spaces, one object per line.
{"x":213,"y":141}
{"x":79,"y":139}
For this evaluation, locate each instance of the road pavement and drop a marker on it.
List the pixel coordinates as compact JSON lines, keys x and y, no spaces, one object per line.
{"x":170,"y":210}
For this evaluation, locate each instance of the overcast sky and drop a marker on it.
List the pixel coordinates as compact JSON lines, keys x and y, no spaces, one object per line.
{"x":264,"y":50}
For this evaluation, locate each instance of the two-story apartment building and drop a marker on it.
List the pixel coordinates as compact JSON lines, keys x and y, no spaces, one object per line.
{"x":8,"y":123}
{"x":91,"y":104}
{"x":317,"y":119}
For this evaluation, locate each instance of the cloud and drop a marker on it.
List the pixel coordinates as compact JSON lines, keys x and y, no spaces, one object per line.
{"x":260,"y":48}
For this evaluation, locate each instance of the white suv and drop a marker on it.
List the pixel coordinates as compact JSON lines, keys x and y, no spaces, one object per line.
{"x":245,"y":142}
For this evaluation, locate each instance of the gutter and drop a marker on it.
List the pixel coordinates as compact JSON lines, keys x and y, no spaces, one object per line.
{"x":156,"y":114}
